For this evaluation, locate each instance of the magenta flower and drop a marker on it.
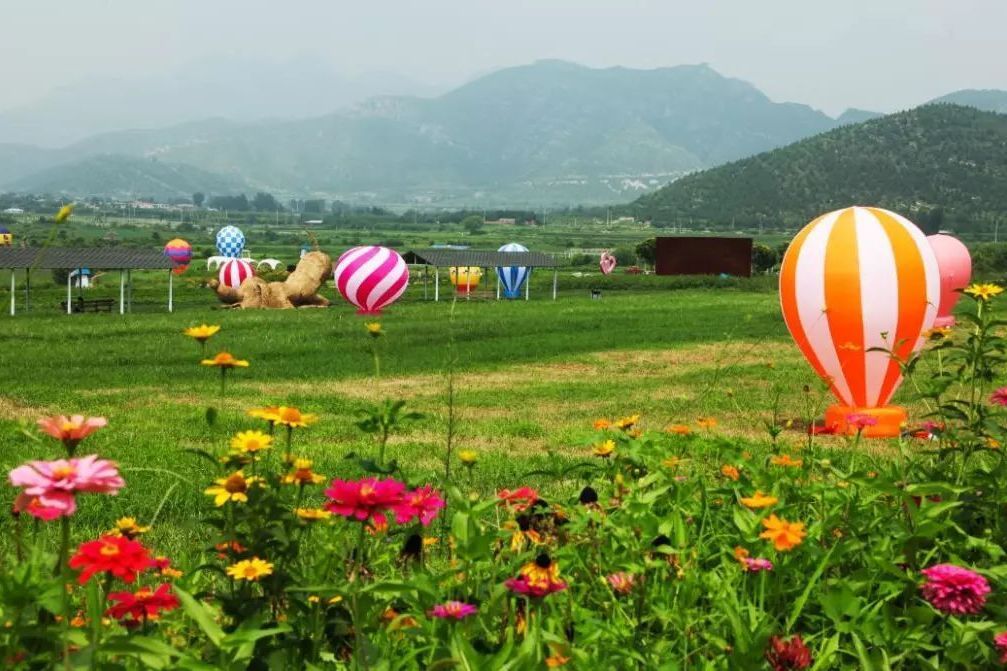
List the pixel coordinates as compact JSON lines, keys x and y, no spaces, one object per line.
{"x":1000,"y":641}
{"x":999,"y":397}
{"x":453,"y":610}
{"x":421,"y":503}
{"x":757,"y":564}
{"x":955,"y":590}
{"x":860,"y":421}
{"x":49,"y":486}
{"x":366,"y":499}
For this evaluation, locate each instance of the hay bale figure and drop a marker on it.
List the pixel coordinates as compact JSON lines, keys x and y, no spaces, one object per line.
{"x":300,"y":289}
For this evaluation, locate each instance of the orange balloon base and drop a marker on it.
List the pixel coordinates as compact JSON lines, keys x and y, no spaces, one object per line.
{"x":890,"y":420}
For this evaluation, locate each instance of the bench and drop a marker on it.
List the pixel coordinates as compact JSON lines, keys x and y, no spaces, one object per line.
{"x":93,"y":305}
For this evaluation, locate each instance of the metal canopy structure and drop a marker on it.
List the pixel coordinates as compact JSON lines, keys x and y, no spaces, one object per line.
{"x":462,"y":258}
{"x":123,"y":259}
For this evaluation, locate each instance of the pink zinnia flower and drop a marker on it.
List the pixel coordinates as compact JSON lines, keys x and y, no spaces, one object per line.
{"x":51,"y":485}
{"x":71,"y":430}
{"x":757,"y":564}
{"x":421,"y":503}
{"x":58,"y":506}
{"x":365,"y":499}
{"x":453,"y":610}
{"x":953,"y":589}
{"x":1000,"y":640}
{"x":860,"y":421}
{"x":999,"y":397}
{"x":621,"y":582}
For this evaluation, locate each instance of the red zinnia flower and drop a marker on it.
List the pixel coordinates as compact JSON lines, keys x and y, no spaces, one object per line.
{"x":365,"y":499}
{"x":144,"y":604}
{"x":519,"y":499}
{"x":118,"y":555}
{"x":786,"y":655}
{"x":422,"y":504}
{"x":999,"y":397}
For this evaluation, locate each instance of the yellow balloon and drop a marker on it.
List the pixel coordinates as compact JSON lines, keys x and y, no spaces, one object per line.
{"x":464,"y":278}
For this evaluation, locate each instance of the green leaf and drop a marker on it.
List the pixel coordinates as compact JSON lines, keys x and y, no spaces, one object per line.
{"x":202,"y":615}
{"x":795,"y":612}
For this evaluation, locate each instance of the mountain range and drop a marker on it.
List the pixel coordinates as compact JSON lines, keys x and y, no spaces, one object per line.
{"x":941,"y":159}
{"x":549,"y":133}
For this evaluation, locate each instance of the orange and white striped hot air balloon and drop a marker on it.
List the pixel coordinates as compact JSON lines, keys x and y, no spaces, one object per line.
{"x":853,"y":280}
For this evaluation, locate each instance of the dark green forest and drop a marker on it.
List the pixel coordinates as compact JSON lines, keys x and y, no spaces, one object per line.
{"x":941,"y":165}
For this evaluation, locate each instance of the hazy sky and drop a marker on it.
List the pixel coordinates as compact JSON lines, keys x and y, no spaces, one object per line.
{"x":875,"y":54}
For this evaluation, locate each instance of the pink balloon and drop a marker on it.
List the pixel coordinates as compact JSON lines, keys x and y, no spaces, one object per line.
{"x":955,"y":265}
{"x":371,"y":277}
{"x":607,"y":263}
{"x":234,"y":272}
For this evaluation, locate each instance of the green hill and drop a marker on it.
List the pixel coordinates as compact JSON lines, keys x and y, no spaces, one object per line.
{"x":937,"y":158}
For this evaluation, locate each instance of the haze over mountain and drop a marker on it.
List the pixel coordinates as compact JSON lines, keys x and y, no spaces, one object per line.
{"x":989,"y":100}
{"x":935,"y":158}
{"x":226,"y":88}
{"x":549,"y":133}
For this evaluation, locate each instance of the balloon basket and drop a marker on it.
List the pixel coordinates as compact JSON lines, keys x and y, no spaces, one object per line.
{"x":944,"y":322}
{"x":890,"y":420}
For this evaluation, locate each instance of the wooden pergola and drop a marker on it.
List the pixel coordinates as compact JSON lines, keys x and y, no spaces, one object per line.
{"x":123,"y":259}
{"x":472,"y":258}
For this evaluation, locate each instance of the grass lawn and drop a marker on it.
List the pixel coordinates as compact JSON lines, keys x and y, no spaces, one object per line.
{"x":531,"y":377}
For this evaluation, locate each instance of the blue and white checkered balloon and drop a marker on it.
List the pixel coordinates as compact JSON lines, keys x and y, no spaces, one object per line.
{"x":230,"y":241}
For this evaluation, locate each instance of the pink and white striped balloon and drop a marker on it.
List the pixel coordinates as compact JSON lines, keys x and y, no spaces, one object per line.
{"x":371,"y":277}
{"x":234,"y":272}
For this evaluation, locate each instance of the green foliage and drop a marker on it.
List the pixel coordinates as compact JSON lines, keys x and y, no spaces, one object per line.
{"x":937,"y":156}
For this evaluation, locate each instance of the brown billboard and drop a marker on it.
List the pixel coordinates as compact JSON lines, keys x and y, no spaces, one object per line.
{"x":704,"y":256}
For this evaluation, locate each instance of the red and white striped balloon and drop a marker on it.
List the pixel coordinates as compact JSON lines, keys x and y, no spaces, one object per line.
{"x":234,"y":272}
{"x":371,"y":277}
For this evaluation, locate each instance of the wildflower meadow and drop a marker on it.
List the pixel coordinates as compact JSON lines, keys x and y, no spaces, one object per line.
{"x":652,"y":542}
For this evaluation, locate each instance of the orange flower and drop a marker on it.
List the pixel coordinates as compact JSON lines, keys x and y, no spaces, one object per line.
{"x":784,"y":535}
{"x":600,"y":424}
{"x":787,"y":461}
{"x":706,"y":422}
{"x":71,"y":429}
{"x":293,"y":418}
{"x":730,"y":472}
{"x":671,"y":462}
{"x":741,"y":554}
{"x":225,"y":360}
{"x":758,"y":500}
{"x":678,"y":429}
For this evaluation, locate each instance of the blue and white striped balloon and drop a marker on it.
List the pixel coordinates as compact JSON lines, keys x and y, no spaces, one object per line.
{"x":230,"y":241}
{"x":512,"y":277}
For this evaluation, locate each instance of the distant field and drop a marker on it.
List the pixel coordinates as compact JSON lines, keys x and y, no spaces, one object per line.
{"x":532,"y":376}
